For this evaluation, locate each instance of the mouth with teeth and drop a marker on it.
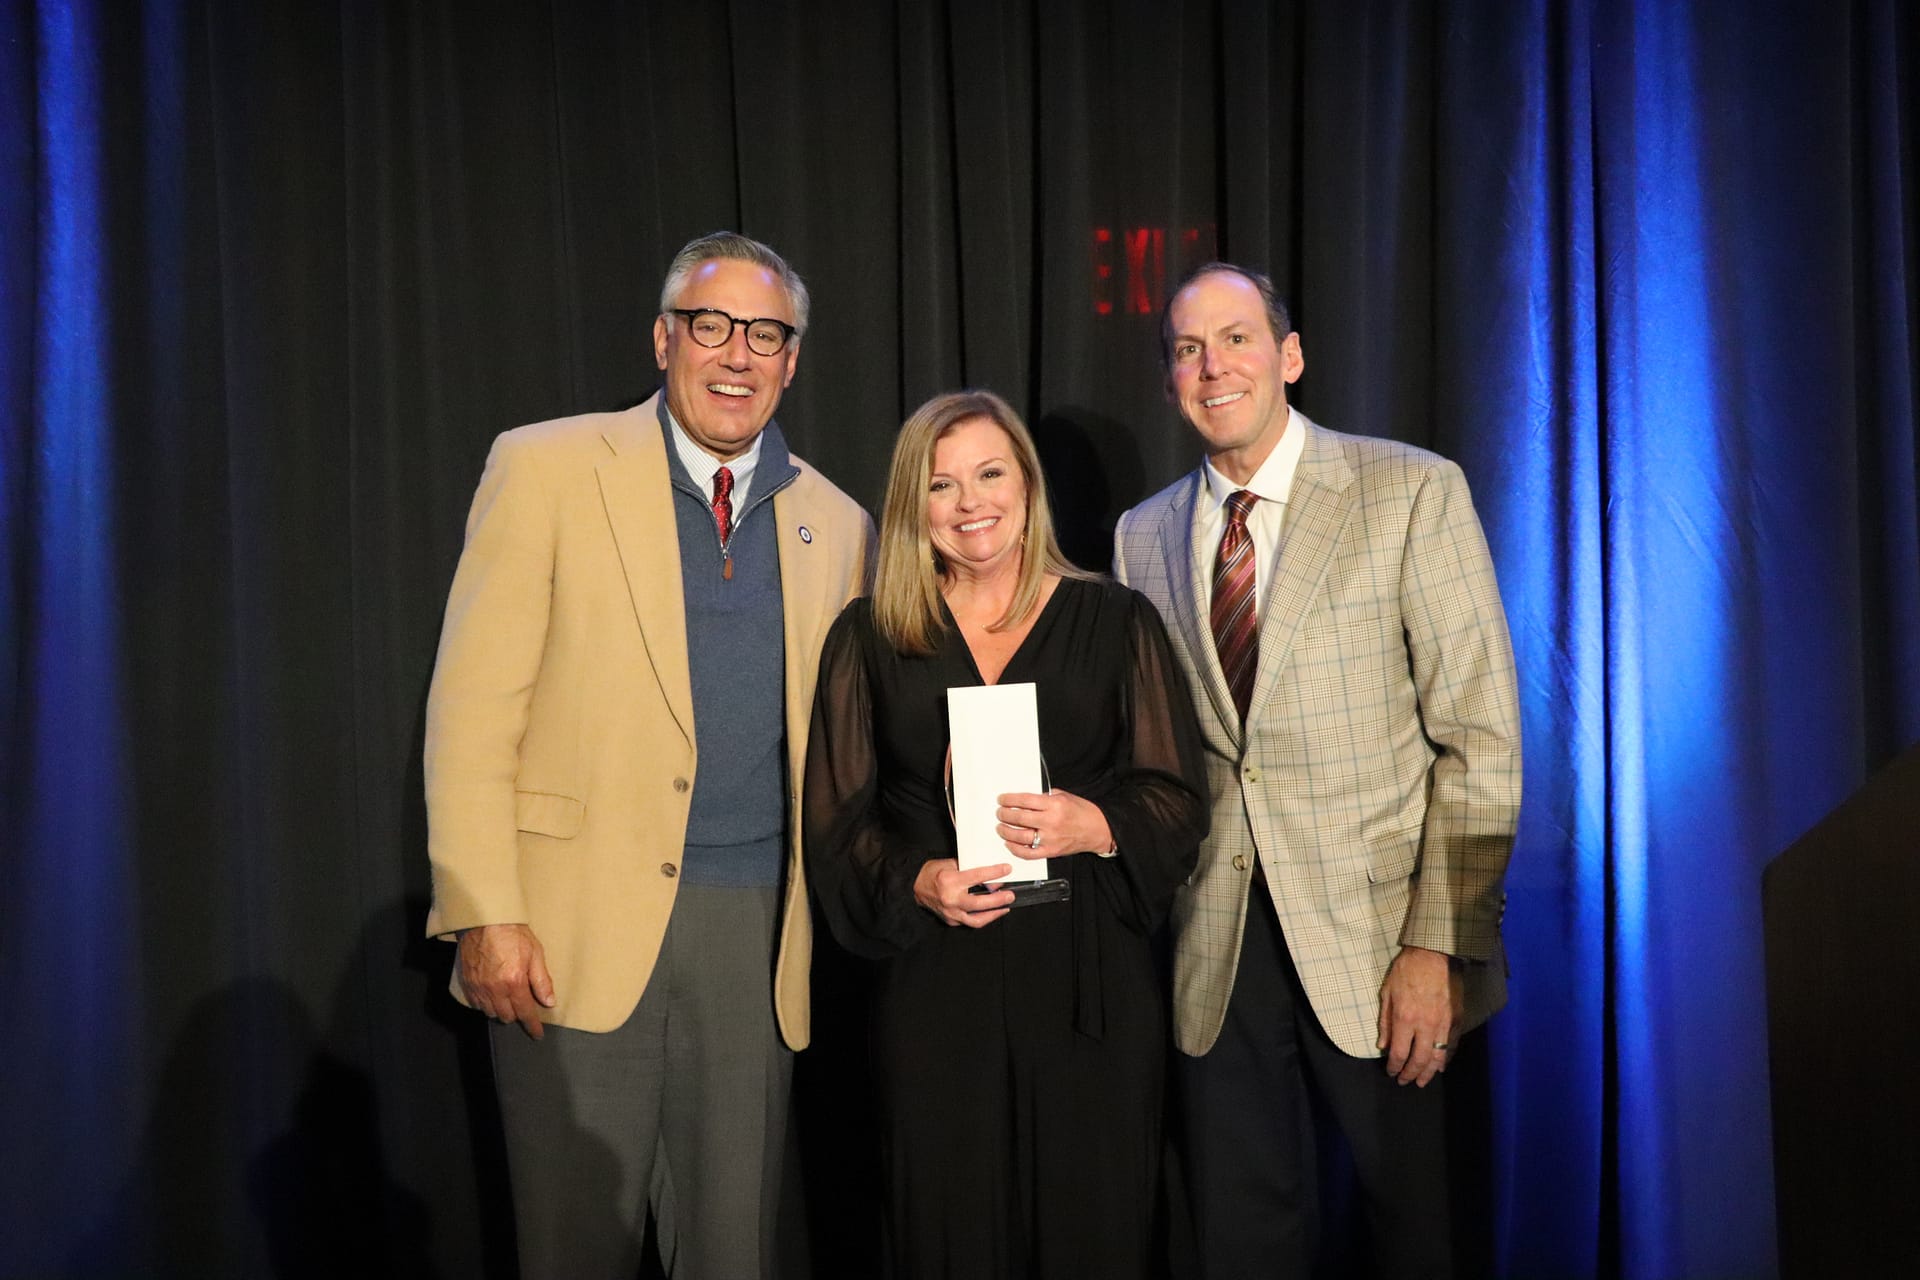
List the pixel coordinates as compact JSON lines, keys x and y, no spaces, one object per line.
{"x":733,"y":389}
{"x":1214,"y":402}
{"x":975,"y":526}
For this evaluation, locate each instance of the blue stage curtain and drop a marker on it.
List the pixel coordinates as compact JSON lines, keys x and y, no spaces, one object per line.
{"x":1691,"y":429}
{"x":69,"y":904}
{"x":272,"y":274}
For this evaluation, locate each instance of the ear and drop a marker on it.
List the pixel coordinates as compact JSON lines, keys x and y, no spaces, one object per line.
{"x":660,"y":334}
{"x":1292,"y":363}
{"x":793,"y":360}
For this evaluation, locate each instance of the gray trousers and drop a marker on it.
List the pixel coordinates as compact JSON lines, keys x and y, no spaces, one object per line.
{"x":684,"y":1108}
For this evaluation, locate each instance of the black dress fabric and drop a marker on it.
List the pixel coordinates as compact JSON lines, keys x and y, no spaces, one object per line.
{"x":1018,"y":1067}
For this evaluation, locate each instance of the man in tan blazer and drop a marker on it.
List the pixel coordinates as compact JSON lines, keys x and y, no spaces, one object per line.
{"x":618,"y":716}
{"x":1334,"y":604}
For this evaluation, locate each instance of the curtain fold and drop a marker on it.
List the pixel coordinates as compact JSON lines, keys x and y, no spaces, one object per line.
{"x":273,"y":275}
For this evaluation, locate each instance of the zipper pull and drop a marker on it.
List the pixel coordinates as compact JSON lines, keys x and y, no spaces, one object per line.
{"x":726,"y":567}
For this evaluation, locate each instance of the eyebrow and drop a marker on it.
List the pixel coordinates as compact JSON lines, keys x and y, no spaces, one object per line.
{"x":1229,"y":327}
{"x":934,"y":473}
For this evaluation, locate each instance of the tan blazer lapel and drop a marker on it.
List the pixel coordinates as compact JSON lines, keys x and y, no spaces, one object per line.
{"x":634,"y":486}
{"x":808,"y":602}
{"x":1317,"y":512}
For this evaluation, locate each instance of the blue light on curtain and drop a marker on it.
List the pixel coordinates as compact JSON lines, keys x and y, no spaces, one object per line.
{"x":70,"y":919}
{"x":1668,"y":412}
{"x":1684,"y":917}
{"x":17,"y":270}
{"x":1526,"y":423}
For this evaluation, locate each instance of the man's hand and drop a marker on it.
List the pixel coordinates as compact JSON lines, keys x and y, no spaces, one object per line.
{"x":503,"y":970}
{"x":1420,"y":1005}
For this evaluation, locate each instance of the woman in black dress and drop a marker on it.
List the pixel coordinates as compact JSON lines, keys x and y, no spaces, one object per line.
{"x":1018,"y":1054}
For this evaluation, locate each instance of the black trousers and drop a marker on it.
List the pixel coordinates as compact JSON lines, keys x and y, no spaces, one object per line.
{"x":1247,"y":1147}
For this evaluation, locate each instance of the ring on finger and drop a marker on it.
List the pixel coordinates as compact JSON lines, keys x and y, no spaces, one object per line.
{"x":1036,"y":839}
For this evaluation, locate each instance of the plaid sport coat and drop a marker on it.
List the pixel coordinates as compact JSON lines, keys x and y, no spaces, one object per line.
{"x":1378,"y":779}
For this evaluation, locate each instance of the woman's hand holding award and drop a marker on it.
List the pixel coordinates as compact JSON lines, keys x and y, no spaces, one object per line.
{"x":995,"y":750}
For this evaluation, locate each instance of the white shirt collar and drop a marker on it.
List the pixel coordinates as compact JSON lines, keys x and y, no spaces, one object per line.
{"x":701,"y":465}
{"x":1274,"y":480}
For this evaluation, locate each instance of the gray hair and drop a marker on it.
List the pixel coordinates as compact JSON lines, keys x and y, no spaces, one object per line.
{"x":1277,"y":318}
{"x":735,"y":247}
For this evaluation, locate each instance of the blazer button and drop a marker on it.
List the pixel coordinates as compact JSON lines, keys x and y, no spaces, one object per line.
{"x":668,"y":870}
{"x":1239,"y":862}
{"x":680,"y":784}
{"x":1252,"y":773}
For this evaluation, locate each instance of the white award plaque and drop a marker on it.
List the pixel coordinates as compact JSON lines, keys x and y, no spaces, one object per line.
{"x":996,"y":750}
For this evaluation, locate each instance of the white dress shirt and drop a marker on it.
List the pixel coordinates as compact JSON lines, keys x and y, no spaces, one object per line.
{"x":701,"y":465}
{"x":1270,"y":484}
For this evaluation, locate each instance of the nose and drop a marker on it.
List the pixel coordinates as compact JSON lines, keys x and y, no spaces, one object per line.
{"x":1209,"y":361}
{"x":737,"y":353}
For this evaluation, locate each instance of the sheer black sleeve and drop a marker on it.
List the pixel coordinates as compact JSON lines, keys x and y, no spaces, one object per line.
{"x":1156,"y":803}
{"x":860,"y":870}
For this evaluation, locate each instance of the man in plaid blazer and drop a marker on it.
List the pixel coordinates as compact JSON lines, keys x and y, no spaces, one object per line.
{"x":1342,"y":930}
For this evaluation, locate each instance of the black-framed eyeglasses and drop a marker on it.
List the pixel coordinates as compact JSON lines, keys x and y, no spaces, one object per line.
{"x":765,"y":336}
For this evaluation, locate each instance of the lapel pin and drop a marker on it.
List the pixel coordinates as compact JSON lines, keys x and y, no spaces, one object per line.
{"x":806,"y":535}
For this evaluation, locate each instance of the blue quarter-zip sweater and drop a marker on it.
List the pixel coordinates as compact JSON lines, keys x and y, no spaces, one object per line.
{"x":736,"y":648}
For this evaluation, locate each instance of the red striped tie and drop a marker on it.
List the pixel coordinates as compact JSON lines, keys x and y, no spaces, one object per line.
{"x":1236,"y":624}
{"x":723,"y":504}
{"x":723,"y":518}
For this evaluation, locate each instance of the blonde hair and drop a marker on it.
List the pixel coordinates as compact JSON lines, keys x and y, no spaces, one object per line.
{"x":906,"y":587}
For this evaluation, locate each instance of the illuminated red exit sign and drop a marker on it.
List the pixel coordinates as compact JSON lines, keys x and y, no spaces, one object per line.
{"x":1131,"y":267}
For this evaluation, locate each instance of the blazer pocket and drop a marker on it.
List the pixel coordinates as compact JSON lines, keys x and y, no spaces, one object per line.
{"x":544,"y":813}
{"x":1395,"y":863}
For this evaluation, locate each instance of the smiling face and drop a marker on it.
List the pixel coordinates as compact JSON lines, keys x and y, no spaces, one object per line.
{"x":724,"y":395}
{"x":976,"y":499}
{"x":1228,"y":373}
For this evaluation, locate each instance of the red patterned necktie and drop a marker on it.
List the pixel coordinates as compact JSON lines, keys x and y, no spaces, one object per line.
{"x":1236,"y":624}
{"x":723,"y":517}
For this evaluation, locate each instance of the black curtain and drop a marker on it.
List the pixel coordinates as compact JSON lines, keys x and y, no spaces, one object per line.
{"x":272,"y":276}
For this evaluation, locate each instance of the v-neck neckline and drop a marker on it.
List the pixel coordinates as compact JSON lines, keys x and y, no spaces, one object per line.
{"x":1019,"y":650}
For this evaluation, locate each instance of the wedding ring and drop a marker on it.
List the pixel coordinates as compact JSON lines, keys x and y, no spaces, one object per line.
{"x":1440,"y":1046}
{"x":1036,"y":840}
